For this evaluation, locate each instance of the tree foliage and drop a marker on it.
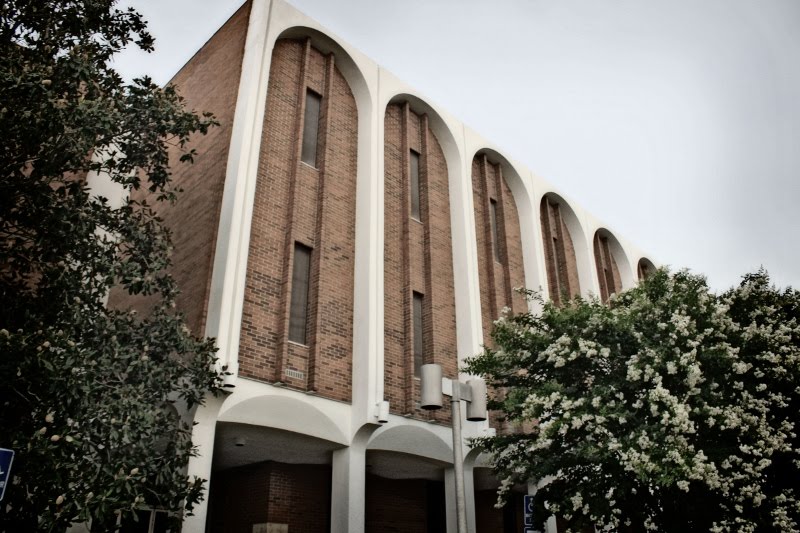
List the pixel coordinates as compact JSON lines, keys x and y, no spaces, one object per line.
{"x":669,"y":409}
{"x":87,"y":392}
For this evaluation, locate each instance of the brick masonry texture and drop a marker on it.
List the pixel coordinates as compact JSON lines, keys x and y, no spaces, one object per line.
{"x":295,"y":202}
{"x":205,"y":83}
{"x":271,"y":492}
{"x":404,"y":506}
{"x":418,"y":257}
{"x":559,"y":252}
{"x":297,"y":495}
{"x":498,"y":279}
{"x":607,"y":270}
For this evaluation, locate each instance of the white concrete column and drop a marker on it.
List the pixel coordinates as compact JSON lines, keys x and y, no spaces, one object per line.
{"x":200,"y":465}
{"x":349,"y":489}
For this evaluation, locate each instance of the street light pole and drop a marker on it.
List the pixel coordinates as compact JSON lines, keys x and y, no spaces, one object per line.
{"x":474,"y":393}
{"x":458,"y":461}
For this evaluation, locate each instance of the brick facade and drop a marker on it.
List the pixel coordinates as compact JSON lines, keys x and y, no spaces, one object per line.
{"x":271,"y":493}
{"x":205,"y":84}
{"x":559,"y":252}
{"x":404,"y":506}
{"x":314,"y":205}
{"x":291,"y":494}
{"x":295,"y":202}
{"x":418,"y":258}
{"x":500,"y":269}
{"x":607,"y":269}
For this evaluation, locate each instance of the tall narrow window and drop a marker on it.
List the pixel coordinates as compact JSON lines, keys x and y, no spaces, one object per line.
{"x":418,"y":333}
{"x":493,"y":224}
{"x":298,"y":310}
{"x":311,"y":128}
{"x":414,"y":179}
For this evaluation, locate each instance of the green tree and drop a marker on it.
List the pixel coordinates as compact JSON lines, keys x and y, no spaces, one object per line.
{"x":87,"y":392}
{"x":670,"y":409}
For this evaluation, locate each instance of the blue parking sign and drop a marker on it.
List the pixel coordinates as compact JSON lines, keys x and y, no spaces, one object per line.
{"x":528,"y":508}
{"x":6,"y":458}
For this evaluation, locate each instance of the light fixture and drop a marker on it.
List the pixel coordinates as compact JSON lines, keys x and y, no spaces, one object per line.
{"x":473,"y":392}
{"x":382,"y":412}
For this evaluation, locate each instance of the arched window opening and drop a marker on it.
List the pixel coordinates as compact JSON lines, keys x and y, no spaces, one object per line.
{"x":607,"y":269}
{"x":645,"y":269}
{"x":559,"y":252}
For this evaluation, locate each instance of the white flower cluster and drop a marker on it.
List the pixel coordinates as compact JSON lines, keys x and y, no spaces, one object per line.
{"x":663,"y":395}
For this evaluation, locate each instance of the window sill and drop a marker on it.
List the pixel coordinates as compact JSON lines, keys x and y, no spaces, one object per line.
{"x":300,"y":344}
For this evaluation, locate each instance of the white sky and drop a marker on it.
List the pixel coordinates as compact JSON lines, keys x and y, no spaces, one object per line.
{"x":674,"y":121}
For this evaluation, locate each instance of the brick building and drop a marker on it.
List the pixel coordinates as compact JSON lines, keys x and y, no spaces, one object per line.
{"x":337,"y":232}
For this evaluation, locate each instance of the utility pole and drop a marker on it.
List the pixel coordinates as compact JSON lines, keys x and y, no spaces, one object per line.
{"x":473,"y":392}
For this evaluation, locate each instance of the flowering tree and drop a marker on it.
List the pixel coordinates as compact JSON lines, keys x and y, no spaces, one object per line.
{"x":669,"y":409}
{"x":87,"y":392}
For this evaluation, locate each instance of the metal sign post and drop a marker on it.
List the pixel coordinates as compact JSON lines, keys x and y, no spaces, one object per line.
{"x":474,"y":393}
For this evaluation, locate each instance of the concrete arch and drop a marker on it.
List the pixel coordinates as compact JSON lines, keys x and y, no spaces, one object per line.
{"x":471,"y":458}
{"x":510,"y":173}
{"x":527,"y":214}
{"x":366,"y":308}
{"x":623,"y":262}
{"x":412,"y":440}
{"x":462,"y":227}
{"x":644,"y":267}
{"x":286,"y":413}
{"x":346,"y":65}
{"x":445,"y":136}
{"x":230,"y":260}
{"x":580,"y":242}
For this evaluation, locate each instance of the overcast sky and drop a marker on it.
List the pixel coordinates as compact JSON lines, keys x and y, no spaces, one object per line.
{"x":677,"y":122}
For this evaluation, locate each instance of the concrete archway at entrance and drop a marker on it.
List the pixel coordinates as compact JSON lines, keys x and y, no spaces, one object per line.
{"x":263,"y":475}
{"x":404,"y":493}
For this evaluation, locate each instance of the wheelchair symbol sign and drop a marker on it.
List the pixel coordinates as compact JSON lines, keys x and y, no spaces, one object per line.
{"x":528,"y":508}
